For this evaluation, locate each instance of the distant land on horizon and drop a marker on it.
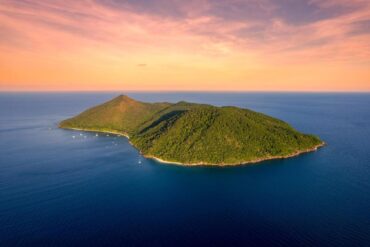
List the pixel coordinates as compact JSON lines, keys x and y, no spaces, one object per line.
{"x":195,"y":134}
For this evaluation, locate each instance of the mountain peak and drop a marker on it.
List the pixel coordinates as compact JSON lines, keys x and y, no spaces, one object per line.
{"x":125,"y":98}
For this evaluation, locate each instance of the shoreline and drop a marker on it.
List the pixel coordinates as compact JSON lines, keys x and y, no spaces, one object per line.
{"x":313,"y":149}
{"x":98,"y":131}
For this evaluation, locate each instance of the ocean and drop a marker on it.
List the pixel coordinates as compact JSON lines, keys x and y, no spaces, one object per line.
{"x":56,"y":190}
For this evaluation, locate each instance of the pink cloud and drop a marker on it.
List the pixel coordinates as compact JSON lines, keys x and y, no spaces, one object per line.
{"x":273,"y":33}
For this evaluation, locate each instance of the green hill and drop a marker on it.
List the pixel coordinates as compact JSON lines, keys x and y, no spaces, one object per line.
{"x":190,"y":133}
{"x":121,"y":114}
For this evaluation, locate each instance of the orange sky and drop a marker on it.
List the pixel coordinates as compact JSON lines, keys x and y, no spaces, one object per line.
{"x":301,"y":45}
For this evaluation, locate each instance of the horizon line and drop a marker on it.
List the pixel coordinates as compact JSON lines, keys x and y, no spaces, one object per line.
{"x":185,"y":91}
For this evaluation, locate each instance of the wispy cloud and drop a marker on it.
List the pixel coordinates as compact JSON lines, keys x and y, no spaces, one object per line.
{"x":262,"y":33}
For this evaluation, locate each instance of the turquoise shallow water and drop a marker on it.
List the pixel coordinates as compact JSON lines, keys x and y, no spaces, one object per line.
{"x":56,"y":190}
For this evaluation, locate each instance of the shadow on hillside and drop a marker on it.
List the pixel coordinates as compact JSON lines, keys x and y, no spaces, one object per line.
{"x":165,"y":117}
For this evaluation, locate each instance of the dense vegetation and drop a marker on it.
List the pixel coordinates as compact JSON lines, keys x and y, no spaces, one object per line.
{"x":194,"y":133}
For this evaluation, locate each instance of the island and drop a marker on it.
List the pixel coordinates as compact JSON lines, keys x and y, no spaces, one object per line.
{"x":195,"y":134}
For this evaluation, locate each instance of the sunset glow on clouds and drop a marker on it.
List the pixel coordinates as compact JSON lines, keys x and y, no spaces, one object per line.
{"x":287,"y":45}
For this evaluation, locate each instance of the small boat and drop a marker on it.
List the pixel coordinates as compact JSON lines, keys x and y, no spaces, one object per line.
{"x":73,"y":137}
{"x":139,"y":162}
{"x":96,"y":135}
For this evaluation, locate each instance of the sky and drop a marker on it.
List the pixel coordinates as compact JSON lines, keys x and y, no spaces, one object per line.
{"x":192,"y":45}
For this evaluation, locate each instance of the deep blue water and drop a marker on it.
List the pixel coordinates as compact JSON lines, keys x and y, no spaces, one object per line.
{"x":92,"y":191}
